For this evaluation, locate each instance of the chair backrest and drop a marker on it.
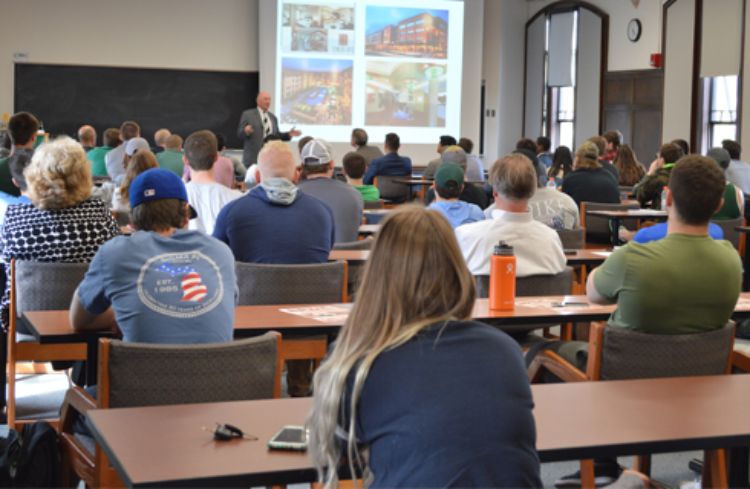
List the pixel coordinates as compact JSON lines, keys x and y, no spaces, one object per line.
{"x":312,"y":283}
{"x":362,"y":244}
{"x":41,"y":286}
{"x":392,"y":190}
{"x":730,"y":233}
{"x":627,"y":354}
{"x":375,"y":204}
{"x":597,"y":227}
{"x":557,"y":284}
{"x":141,"y":374}
{"x":572,"y":239}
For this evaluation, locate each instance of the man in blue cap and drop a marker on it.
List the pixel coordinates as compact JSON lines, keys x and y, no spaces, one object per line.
{"x":164,"y":283}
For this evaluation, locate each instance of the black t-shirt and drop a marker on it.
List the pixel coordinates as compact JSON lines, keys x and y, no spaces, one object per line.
{"x":592,"y":185}
{"x":451,"y":407}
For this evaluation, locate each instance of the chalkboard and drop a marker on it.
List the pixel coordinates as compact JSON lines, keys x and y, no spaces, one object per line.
{"x":65,"y":97}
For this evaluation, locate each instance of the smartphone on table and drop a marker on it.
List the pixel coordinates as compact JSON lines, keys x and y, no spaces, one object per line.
{"x":289,"y":437}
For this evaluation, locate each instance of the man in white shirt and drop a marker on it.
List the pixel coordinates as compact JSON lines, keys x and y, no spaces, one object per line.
{"x":115,"y":158}
{"x":537,"y":247}
{"x":738,"y":172}
{"x":205,"y":194}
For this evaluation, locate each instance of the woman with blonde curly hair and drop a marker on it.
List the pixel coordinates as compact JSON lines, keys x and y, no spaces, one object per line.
{"x":62,"y":223}
{"x":414,"y":392}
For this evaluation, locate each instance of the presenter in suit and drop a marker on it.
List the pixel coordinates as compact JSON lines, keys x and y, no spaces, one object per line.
{"x":259,"y":125}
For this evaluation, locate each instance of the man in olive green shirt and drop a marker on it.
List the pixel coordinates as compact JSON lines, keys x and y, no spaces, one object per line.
{"x":684,"y":283}
{"x":171,"y":158}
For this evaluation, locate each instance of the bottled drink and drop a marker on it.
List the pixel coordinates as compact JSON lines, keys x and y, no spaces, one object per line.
{"x":502,"y":278}
{"x":551,"y":183}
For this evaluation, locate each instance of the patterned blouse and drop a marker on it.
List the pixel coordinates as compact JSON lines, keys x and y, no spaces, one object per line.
{"x":72,"y":235}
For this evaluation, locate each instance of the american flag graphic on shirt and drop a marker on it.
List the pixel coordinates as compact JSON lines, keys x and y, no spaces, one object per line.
{"x":193,"y":288}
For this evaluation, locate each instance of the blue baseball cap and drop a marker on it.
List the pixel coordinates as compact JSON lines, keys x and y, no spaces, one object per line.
{"x":157,"y":184}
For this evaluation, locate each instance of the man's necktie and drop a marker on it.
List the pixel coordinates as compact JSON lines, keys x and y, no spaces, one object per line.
{"x":266,"y":125}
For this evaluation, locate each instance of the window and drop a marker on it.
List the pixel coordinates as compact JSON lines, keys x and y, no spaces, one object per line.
{"x":722,"y":109}
{"x":560,"y":101}
{"x":565,"y":116}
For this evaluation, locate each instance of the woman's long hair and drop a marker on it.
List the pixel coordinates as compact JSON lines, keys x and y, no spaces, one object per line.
{"x":141,"y":161}
{"x":562,"y":161}
{"x":631,"y":171}
{"x":415,"y":276}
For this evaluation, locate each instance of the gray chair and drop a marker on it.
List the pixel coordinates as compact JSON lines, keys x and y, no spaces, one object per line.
{"x":730,"y":233}
{"x":39,"y":286}
{"x":572,"y":239}
{"x":557,"y":284}
{"x":313,"y":283}
{"x":139,"y":374}
{"x":362,"y":244}
{"x":375,"y":204}
{"x":355,"y":268}
{"x":597,"y":227}
{"x":392,"y":191}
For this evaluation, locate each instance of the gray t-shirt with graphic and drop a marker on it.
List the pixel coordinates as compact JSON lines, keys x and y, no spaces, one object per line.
{"x":177,"y":289}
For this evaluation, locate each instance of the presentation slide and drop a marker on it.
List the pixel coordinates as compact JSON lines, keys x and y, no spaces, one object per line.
{"x":383,"y":65}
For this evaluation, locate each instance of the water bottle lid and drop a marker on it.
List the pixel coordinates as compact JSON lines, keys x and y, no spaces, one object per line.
{"x":503,"y":248}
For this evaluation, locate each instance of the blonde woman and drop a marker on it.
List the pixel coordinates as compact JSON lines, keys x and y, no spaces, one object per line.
{"x":414,"y":392}
{"x":589,"y":181}
{"x":62,"y":223}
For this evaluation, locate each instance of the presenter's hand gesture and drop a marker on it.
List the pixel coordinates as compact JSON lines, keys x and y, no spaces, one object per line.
{"x":294,"y":132}
{"x":248,"y":129}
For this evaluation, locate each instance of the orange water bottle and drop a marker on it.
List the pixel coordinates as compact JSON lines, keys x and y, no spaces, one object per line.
{"x":503,"y":278}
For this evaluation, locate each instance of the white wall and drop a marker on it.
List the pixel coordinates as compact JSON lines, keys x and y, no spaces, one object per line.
{"x":625,"y":55}
{"x":179,"y":34}
{"x":502,"y":71}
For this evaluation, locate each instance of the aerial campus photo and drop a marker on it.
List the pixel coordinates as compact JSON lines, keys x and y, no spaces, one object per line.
{"x":317,"y":28}
{"x":316,"y":91}
{"x":406,"y":32}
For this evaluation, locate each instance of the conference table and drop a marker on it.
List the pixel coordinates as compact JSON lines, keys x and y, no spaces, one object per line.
{"x":295,"y":320}
{"x":167,"y":445}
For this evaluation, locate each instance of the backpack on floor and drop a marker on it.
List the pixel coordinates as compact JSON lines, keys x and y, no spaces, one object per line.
{"x":30,"y":458}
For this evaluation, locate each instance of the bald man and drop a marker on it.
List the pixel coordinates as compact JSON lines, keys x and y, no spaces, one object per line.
{"x":259,"y":125}
{"x":160,"y":140}
{"x":274,"y":222}
{"x":87,"y":137}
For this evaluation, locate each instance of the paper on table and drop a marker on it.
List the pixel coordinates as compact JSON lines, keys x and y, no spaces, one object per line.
{"x":325,"y":314}
{"x":605,"y":254}
{"x":648,"y":212}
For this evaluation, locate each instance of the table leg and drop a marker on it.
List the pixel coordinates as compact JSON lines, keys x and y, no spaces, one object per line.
{"x":615,"y":231}
{"x":92,"y":360}
{"x":738,"y":467}
{"x":746,"y":268}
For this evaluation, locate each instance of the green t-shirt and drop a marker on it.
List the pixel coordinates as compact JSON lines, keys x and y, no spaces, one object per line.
{"x":369,"y":192}
{"x":678,"y":285}
{"x":6,"y":181}
{"x":98,"y":162}
{"x":171,"y":160}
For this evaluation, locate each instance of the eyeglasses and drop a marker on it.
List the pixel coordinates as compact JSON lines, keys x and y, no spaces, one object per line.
{"x":225,"y":432}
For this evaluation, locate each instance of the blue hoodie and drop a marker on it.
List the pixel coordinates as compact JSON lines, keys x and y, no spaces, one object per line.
{"x":261,"y":231}
{"x":458,"y":212}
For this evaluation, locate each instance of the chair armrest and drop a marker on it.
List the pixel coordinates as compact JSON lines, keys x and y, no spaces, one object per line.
{"x":556,"y":365}
{"x":77,"y":403}
{"x":741,"y":361}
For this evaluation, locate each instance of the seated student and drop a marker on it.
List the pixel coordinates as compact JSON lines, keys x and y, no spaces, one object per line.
{"x":344,"y":201}
{"x":734,"y":201}
{"x":432,"y":166}
{"x":171,"y":158}
{"x":391,"y":164}
{"x":471,"y":193}
{"x":527,"y":147}
{"x":87,"y":137}
{"x":604,"y":160}
{"x":537,"y":247}
{"x":22,"y":128}
{"x":631,"y":171}
{"x":223,"y":168}
{"x":359,"y":142}
{"x":275,"y":222}
{"x":6,"y":143}
{"x":163,"y":283}
{"x":543,"y":145}
{"x":160,"y":140}
{"x":17,"y":164}
{"x":355,"y":166}
{"x":448,"y":185}
{"x":474,"y":165}
{"x":115,"y":159}
{"x":413,"y":387}
{"x":66,"y":223}
{"x":659,"y":231}
{"x":205,"y":194}
{"x":97,"y":155}
{"x":589,"y":182}
{"x":648,"y":190}
{"x":562,"y":164}
{"x":140,"y":162}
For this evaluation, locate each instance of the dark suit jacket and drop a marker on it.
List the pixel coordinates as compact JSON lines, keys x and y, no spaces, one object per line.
{"x":254,"y":142}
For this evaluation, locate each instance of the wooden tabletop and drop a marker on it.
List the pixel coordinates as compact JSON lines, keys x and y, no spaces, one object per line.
{"x":633,"y":213}
{"x":580,"y":257}
{"x":369,"y":228}
{"x":54,"y":326}
{"x":165,"y":445}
